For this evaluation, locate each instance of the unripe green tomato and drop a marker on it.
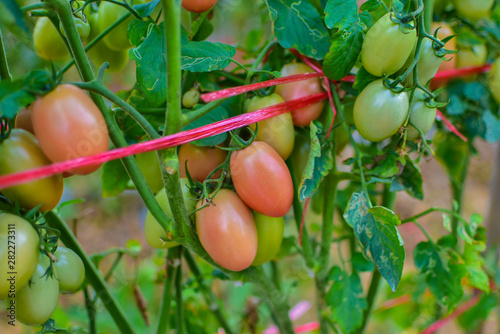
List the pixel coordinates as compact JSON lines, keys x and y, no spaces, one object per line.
{"x":48,"y":43}
{"x":36,"y":301}
{"x":191,"y":98}
{"x":386,"y":48}
{"x":421,"y":115}
{"x":300,"y":154}
{"x":474,"y":55}
{"x":70,"y":269}
{"x":428,"y":64}
{"x":473,"y":9}
{"x":82,"y":27}
{"x":153,"y":230}
{"x":150,"y":168}
{"x":378,"y":112}
{"x":494,"y":80}
{"x":276,"y":131}
{"x":269,"y":237}
{"x":24,"y":261}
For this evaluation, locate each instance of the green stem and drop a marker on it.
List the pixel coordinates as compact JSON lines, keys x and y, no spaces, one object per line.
{"x":117,"y":260}
{"x":430,"y":210}
{"x":90,"y":306}
{"x":457,"y":188}
{"x":4,"y":65}
{"x":197,"y":113}
{"x":164,"y":315}
{"x":210,"y":299}
{"x":92,"y":274}
{"x":32,"y":7}
{"x":276,"y":274}
{"x":179,"y":310}
{"x":428,"y":10}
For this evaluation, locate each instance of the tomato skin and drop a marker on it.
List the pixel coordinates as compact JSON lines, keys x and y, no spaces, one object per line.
{"x":153,"y":230}
{"x":227,"y":231}
{"x":382,"y":39}
{"x":201,"y":160}
{"x":36,"y":301}
{"x":70,"y":269}
{"x":262,"y":179}
{"x":421,"y":115}
{"x":269,"y":235}
{"x":48,"y":43}
{"x":23,"y":121}
{"x":378,"y":112}
{"x":198,"y":6}
{"x":445,"y":31}
{"x":428,"y":64}
{"x":69,"y":125}
{"x":26,"y":252}
{"x":19,"y":152}
{"x":475,"y":55}
{"x":494,"y":80}
{"x":298,"y":89}
{"x":150,"y":168}
{"x":473,"y":9}
{"x":276,"y":131}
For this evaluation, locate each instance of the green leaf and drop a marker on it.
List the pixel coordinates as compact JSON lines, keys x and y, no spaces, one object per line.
{"x":361,"y":263}
{"x":474,"y":260}
{"x":451,"y":152}
{"x":298,"y":25}
{"x":341,"y":13}
{"x":114,"y":178}
{"x":378,"y":234}
{"x":319,"y":162}
{"x":384,"y":214}
{"x":476,"y":315}
{"x":206,"y":56}
{"x":409,"y":180}
{"x":347,"y":301}
{"x":146,"y":9}
{"x":492,"y":123}
{"x":215,"y":115}
{"x":443,"y":271}
{"x":134,"y":246}
{"x":363,"y":79}
{"x":18,"y":16}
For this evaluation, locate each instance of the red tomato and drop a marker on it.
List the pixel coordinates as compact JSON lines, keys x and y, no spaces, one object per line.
{"x":262,"y":179}
{"x":198,"y":6}
{"x":200,"y":160}
{"x":69,"y":125}
{"x":227,"y":231}
{"x":298,"y":89}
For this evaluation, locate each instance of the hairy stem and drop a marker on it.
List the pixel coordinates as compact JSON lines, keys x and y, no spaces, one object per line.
{"x":4,"y":65}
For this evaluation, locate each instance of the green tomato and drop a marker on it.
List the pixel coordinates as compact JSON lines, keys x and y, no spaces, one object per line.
{"x":191,"y":98}
{"x":70,"y":269}
{"x":276,"y":131}
{"x":494,"y":80}
{"x":379,"y":112}
{"x":300,"y":154}
{"x":474,"y":55}
{"x":421,"y":115}
{"x":153,"y":230}
{"x":19,"y":244}
{"x":386,"y":48}
{"x":473,"y":9}
{"x":428,"y":64}
{"x":269,"y":237}
{"x":82,"y":27}
{"x":150,"y":168}
{"x":36,"y":301}
{"x":48,"y":43}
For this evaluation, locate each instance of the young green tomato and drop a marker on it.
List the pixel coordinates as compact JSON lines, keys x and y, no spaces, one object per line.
{"x":276,"y":131}
{"x":270,"y":236}
{"x":427,"y":66}
{"x":21,"y":151}
{"x":36,"y":301}
{"x":227,"y":231}
{"x":421,"y":115}
{"x":298,"y":89}
{"x":494,"y":80}
{"x":473,"y":9}
{"x":150,"y":168}
{"x":25,"y":258}
{"x":153,"y":231}
{"x":70,"y":269}
{"x":82,"y":27}
{"x":191,"y":98}
{"x":262,"y":179}
{"x":474,"y":55}
{"x":300,"y":154}
{"x":386,"y":48}
{"x":201,"y":160}
{"x":48,"y":43}
{"x":379,"y":112}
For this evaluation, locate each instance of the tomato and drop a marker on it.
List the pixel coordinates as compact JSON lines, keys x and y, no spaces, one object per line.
{"x":190,"y":98}
{"x":201,"y":160}
{"x":82,"y":26}
{"x":69,"y":125}
{"x":276,"y":131}
{"x":298,"y":89}
{"x":150,"y":168}
{"x":20,"y":152}
{"x":378,"y":53}
{"x":421,"y":115}
{"x":445,"y":31}
{"x":494,"y":80}
{"x":474,"y":55}
{"x":227,"y":231}
{"x":198,"y":6}
{"x":473,"y":9}
{"x":262,"y":179}
{"x":23,"y":120}
{"x":117,"y":39}
{"x":48,"y":43}
{"x":153,"y":230}
{"x":70,"y":269}
{"x":378,"y":112}
{"x":300,"y":154}
{"x":100,"y":53}
{"x":270,"y":235}
{"x":427,"y":66}
{"x":36,"y":301}
{"x":17,"y":232}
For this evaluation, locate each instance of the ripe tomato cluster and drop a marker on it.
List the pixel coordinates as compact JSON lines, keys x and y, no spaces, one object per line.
{"x":31,"y":280}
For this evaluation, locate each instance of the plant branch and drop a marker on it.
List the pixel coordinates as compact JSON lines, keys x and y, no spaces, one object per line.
{"x":164,"y":315}
{"x":4,"y":65}
{"x":179,"y":310}
{"x":193,"y":115}
{"x":433,"y":209}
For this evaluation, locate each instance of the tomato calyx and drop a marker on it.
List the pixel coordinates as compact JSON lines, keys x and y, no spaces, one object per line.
{"x":406,"y":22}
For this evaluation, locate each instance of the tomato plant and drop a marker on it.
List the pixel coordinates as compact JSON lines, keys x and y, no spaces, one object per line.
{"x":200,"y":160}
{"x":69,"y":268}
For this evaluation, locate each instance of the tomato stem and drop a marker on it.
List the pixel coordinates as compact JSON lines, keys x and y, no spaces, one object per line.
{"x":179,"y":310}
{"x":164,"y":314}
{"x":4,"y":65}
